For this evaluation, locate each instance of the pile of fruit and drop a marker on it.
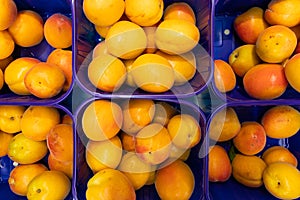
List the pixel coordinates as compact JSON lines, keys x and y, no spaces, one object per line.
{"x":30,"y":75}
{"x":138,"y":142}
{"x":145,"y":44}
{"x":250,"y":161}
{"x":39,"y":140}
{"x":267,"y":61}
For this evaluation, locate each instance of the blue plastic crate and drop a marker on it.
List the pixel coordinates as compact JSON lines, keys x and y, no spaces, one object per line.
{"x":41,"y":51}
{"x":6,"y":164}
{"x":86,"y":38}
{"x":197,"y":160}
{"x":226,"y":40}
{"x":231,"y":189}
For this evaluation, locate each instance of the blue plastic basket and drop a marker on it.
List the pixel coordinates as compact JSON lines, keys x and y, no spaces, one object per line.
{"x":226,"y":40}
{"x":6,"y":165}
{"x":231,"y":189}
{"x":41,"y":51}
{"x":197,"y":161}
{"x":86,"y":39}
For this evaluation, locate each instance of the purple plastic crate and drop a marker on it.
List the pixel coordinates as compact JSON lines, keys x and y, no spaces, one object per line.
{"x":41,"y":51}
{"x":197,"y":159}
{"x":226,"y":40}
{"x":86,"y":38}
{"x":6,"y":165}
{"x":231,"y":189}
